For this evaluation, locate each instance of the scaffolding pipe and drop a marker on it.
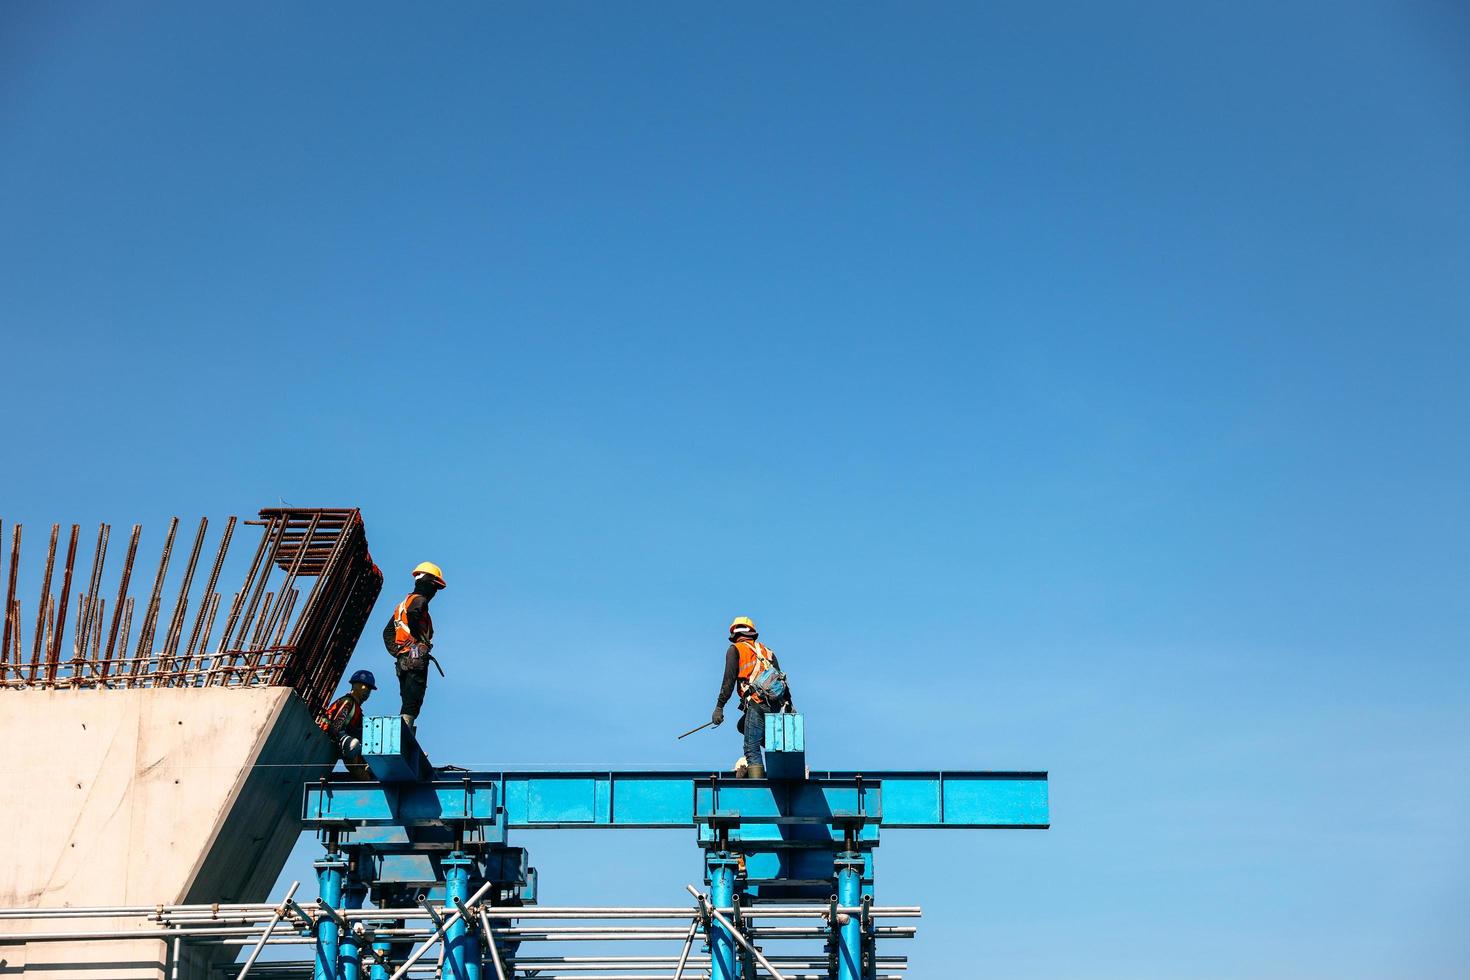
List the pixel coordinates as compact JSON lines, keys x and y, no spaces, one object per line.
{"x":735,"y":933}
{"x":275,"y":917}
{"x":448,"y":921}
{"x":494,"y":950}
{"x":504,"y":912}
{"x":688,"y":944}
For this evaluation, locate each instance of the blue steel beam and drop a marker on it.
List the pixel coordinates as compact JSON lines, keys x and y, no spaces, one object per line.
{"x":529,"y":800}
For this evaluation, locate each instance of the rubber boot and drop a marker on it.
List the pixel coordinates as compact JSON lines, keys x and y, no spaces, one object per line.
{"x":756,"y":771}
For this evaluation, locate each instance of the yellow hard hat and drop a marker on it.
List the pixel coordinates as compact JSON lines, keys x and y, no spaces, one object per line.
{"x":432,"y":570}
{"x":742,"y":621}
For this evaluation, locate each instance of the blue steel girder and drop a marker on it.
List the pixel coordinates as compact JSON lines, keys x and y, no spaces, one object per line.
{"x":549,"y":800}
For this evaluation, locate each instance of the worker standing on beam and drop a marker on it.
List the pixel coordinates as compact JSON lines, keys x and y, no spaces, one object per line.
{"x":753,"y":672}
{"x":342,"y":721}
{"x":409,"y":636}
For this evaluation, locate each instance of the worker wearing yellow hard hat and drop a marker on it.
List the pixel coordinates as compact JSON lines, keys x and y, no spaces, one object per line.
{"x":409,"y":637}
{"x":753,"y":672}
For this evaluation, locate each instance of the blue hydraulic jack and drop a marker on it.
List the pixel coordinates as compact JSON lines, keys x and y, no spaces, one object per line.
{"x":425,"y":836}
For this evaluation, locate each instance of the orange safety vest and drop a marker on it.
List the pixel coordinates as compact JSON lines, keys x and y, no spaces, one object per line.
{"x":755,"y":657}
{"x":403,"y":638}
{"x":340,"y":715}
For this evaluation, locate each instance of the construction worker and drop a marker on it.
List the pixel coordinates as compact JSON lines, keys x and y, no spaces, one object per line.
{"x":409,"y":636}
{"x":343,"y":721}
{"x":753,"y":672}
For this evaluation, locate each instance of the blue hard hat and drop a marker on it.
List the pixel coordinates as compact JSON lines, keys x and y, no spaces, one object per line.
{"x":365,"y":677}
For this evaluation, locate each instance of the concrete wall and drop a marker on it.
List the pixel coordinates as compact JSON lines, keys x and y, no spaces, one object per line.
{"x":144,"y":797}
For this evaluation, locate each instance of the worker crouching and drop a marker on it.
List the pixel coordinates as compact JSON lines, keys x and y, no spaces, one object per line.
{"x":343,"y":722}
{"x":752,"y":671}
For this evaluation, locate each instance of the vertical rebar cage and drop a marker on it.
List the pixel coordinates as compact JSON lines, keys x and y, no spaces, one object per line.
{"x":271,"y":635}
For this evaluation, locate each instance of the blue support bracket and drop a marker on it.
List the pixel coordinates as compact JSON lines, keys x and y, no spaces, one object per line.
{"x":392,"y":752}
{"x":444,"y":802}
{"x":785,"y":746}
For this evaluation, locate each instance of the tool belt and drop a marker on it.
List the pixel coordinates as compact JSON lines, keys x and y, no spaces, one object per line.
{"x":418,"y":657}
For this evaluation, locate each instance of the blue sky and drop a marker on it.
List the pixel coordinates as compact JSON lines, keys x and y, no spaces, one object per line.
{"x":1059,"y":387}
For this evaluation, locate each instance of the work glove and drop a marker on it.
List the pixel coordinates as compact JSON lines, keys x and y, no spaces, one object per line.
{"x":717,"y":717}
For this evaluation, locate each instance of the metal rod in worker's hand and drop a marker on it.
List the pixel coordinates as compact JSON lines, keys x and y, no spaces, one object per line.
{"x":270,"y":928}
{"x":710,"y":907}
{"x":444,"y":925}
{"x":693,"y":730}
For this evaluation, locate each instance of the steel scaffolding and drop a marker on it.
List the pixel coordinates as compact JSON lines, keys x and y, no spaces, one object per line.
{"x":426,"y":941}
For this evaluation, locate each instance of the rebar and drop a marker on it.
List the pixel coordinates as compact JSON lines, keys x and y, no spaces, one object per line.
{"x":123,"y":600}
{"x":94,"y":586}
{"x":42,"y":604}
{"x":144,"y":652}
{"x":211,"y":599}
{"x":53,"y":651}
{"x":288,"y":636}
{"x":12,"y":617}
{"x":176,"y":621}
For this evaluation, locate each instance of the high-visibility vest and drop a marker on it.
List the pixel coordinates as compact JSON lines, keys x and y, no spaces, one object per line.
{"x":403,"y":637}
{"x":755,"y":657}
{"x":342,"y":715}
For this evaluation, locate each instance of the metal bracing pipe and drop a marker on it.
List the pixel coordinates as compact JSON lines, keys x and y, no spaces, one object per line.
{"x":490,"y":943}
{"x":151,"y":913}
{"x":688,"y":945}
{"x":814,"y":911}
{"x":656,"y":962}
{"x":243,"y":935}
{"x":264,"y":909}
{"x":733,"y":932}
{"x":280,"y":910}
{"x":289,"y":970}
{"x":222,"y":932}
{"x":453,"y":917}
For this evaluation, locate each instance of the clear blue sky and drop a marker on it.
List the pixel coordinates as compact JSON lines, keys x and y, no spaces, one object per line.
{"x":1059,"y":387}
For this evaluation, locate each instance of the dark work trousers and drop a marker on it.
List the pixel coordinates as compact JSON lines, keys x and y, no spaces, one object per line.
{"x":755,"y":733}
{"x":411,"y":687}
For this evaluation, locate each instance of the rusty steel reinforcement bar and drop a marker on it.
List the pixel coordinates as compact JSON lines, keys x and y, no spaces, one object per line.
{"x":211,"y":600}
{"x":53,"y":654}
{"x":42,"y":603}
{"x":124,"y":608}
{"x":10,"y":610}
{"x":276,"y":633}
{"x":143,"y":655}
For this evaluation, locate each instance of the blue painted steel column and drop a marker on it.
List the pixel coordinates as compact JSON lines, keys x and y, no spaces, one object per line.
{"x":849,"y":934}
{"x":329,"y":872}
{"x":723,"y":965}
{"x":349,"y":955}
{"x":461,"y":947}
{"x":377,"y":971}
